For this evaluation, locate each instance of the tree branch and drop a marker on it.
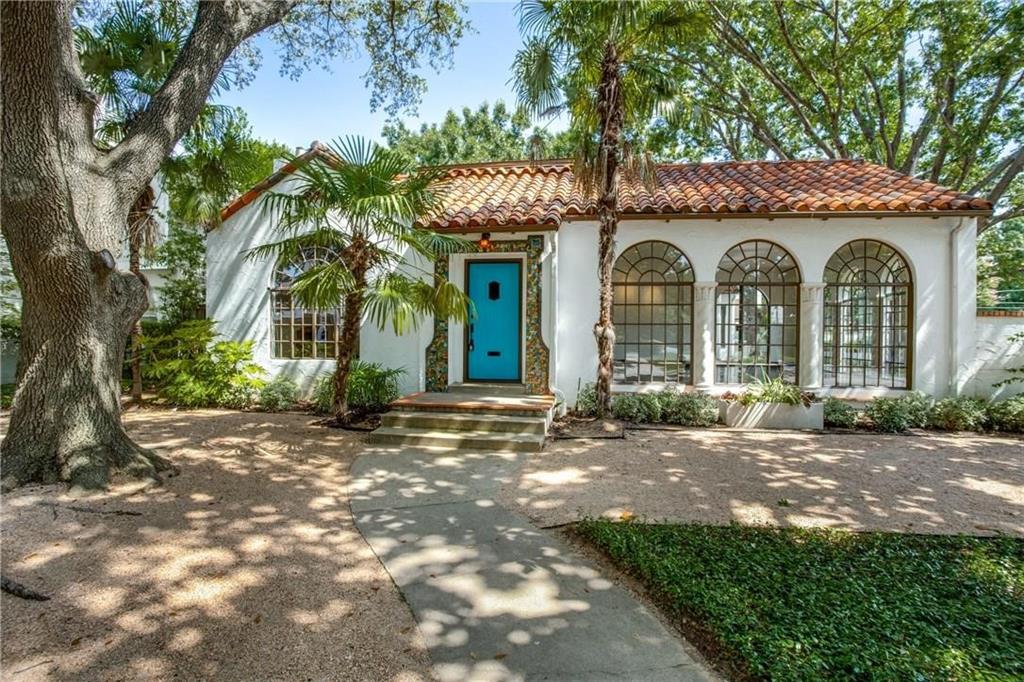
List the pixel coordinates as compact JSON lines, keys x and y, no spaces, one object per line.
{"x":218,"y":29}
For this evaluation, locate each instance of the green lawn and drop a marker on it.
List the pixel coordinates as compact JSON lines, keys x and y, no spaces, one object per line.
{"x":793,"y":604}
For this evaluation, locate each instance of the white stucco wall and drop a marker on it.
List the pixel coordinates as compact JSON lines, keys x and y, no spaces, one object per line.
{"x":995,"y":355}
{"x":943,"y":314}
{"x":238,"y":298}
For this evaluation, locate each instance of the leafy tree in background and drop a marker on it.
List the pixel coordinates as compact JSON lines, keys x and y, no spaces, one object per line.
{"x":355,"y":217}
{"x":602,"y":63}
{"x":485,"y":134}
{"x":931,"y":88}
{"x":1001,"y":265}
{"x":78,"y":309}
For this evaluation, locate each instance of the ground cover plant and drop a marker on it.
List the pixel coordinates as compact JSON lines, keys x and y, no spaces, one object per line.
{"x":371,"y":386}
{"x":840,"y":414}
{"x":800,"y":604}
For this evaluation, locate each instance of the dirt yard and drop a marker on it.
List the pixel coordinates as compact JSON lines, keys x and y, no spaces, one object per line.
{"x":933,"y":483}
{"x":246,"y":566}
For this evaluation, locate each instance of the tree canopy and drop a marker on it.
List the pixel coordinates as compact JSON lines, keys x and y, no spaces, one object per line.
{"x":931,"y":88}
{"x":474,"y":135}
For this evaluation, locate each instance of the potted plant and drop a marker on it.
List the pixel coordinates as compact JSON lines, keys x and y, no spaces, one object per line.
{"x":772,"y":404}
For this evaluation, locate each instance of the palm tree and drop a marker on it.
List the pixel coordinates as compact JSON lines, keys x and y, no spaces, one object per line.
{"x":357,"y":211}
{"x":601,"y":63}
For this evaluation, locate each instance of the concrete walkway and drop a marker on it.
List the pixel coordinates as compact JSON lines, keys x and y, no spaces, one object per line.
{"x":496,"y":598}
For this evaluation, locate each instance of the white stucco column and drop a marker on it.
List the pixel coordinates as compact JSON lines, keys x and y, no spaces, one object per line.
{"x":704,"y":334}
{"x":812,"y":325}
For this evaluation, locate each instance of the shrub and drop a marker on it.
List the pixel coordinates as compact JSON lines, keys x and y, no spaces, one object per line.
{"x":1007,"y":415}
{"x":586,"y":401}
{"x":958,"y":414}
{"x":190,"y":369}
{"x":918,"y":407}
{"x":279,"y":394}
{"x":371,"y":386}
{"x":688,"y":409}
{"x":774,"y":391}
{"x":644,"y":408}
{"x":838,"y":413}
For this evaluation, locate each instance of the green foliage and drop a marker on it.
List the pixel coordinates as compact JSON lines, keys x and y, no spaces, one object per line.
{"x":190,"y":368}
{"x":796,"y":604}
{"x":839,"y":413}
{"x":1001,"y":264}
{"x":688,"y":409}
{"x":668,"y":406}
{"x":10,"y":327}
{"x":371,"y":388}
{"x":279,"y":394}
{"x":644,"y":408}
{"x":895,"y":415}
{"x":586,"y":401}
{"x":183,"y":294}
{"x":485,"y":134}
{"x":6,"y":396}
{"x":774,"y":390}
{"x":1007,"y":415}
{"x":792,"y":80}
{"x":959,"y":414}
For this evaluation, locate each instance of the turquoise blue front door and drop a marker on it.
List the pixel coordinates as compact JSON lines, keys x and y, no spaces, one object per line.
{"x":493,"y":344}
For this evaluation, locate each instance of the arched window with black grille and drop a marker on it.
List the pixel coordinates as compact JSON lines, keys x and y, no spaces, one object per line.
{"x":757,"y":314}
{"x":300,"y":332}
{"x":868,"y":292}
{"x":653,"y":314}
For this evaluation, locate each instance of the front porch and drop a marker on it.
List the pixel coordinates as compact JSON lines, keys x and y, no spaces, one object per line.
{"x":502,"y":417}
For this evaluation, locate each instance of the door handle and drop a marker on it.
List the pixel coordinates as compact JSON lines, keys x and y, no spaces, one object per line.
{"x":471,"y":338}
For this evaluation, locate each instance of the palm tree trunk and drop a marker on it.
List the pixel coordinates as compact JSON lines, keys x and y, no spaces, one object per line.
{"x":138,"y":222}
{"x":349,"y":341}
{"x":610,"y":109}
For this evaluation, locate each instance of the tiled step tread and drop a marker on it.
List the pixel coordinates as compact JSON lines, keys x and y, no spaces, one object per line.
{"x":461,"y":421}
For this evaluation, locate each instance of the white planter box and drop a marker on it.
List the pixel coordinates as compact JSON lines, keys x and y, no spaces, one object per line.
{"x":771,"y":415}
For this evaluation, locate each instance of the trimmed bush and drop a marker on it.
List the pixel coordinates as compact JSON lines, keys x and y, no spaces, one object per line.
{"x":958,"y":414}
{"x":1007,"y":415}
{"x":371,"y":387}
{"x":919,"y":407}
{"x":586,"y":401}
{"x":889,"y":415}
{"x":279,"y":394}
{"x":688,"y":409}
{"x":839,"y":414}
{"x":644,"y":408}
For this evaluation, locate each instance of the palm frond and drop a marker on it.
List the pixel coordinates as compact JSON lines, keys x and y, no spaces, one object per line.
{"x":323,"y":285}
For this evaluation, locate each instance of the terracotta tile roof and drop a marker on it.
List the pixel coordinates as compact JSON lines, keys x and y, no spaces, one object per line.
{"x":494,"y":195}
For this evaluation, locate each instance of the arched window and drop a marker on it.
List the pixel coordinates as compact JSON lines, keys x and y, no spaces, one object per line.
{"x":867,"y":316}
{"x":302,"y":332}
{"x":757,"y":320}
{"x":653,"y":312}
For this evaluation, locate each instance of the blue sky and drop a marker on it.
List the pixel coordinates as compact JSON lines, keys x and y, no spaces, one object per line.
{"x":323,"y":105}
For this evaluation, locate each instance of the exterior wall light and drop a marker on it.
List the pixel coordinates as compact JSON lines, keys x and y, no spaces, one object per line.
{"x":485,"y":241}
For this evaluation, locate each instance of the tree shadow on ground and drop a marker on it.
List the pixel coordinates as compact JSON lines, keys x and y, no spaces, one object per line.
{"x":930,"y":483}
{"x":245,"y":566}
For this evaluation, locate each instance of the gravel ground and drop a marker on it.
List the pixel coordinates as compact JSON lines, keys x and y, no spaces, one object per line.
{"x":930,"y":483}
{"x":247,"y":566}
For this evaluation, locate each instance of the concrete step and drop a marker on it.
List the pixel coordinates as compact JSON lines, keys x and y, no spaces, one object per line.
{"x":464,"y":403}
{"x":489,"y":389}
{"x":458,"y":421}
{"x":458,"y":440}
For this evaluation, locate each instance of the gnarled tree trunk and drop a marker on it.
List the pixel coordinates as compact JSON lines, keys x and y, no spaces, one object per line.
{"x":64,"y":205}
{"x":609,"y":106}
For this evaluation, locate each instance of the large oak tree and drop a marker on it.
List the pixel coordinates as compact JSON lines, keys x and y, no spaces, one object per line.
{"x":65,"y":199}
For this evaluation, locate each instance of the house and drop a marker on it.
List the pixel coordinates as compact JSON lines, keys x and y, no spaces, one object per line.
{"x":845,"y":277}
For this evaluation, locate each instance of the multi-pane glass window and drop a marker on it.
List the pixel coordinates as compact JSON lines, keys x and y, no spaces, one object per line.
{"x":653,"y":312}
{"x":757,"y":314}
{"x":300,"y":332}
{"x":867,"y":316}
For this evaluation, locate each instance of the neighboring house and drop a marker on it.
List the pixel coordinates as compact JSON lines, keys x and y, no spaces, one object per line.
{"x":845,"y":277}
